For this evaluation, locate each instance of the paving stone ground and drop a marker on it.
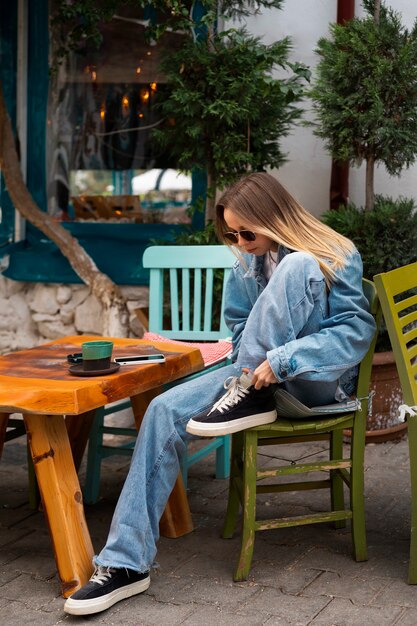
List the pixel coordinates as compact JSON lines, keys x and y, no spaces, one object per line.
{"x":300,"y":576}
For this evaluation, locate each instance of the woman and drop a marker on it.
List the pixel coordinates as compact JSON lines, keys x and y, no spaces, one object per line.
{"x":299,"y":319}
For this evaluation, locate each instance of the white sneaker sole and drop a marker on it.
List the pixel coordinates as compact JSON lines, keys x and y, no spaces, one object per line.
{"x":207,"y":429}
{"x":96,"y":605}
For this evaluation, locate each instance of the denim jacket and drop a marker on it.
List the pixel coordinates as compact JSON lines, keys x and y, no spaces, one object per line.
{"x":331,"y":354}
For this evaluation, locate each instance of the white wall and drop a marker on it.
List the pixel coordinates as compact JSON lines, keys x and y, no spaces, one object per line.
{"x":307,"y":173}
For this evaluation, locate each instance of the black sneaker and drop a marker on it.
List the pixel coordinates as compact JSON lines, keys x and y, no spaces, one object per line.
{"x":106,"y":587}
{"x":242,"y":406}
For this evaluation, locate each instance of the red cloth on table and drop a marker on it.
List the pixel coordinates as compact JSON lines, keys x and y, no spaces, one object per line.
{"x":212,"y":352}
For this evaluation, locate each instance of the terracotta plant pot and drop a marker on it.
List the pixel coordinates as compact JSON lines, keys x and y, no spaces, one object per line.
{"x":383,"y":424}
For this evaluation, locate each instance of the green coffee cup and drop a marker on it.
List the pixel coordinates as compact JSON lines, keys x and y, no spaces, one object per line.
{"x":96,"y":355}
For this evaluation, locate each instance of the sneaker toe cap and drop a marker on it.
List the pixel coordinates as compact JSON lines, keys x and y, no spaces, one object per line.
{"x":84,"y":593}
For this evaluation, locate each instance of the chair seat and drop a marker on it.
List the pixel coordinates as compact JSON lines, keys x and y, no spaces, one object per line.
{"x":309,"y":425}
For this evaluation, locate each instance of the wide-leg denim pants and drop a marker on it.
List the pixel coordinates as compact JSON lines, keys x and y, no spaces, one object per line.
{"x":291,"y":304}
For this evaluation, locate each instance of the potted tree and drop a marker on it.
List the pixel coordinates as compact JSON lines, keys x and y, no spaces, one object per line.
{"x":364,"y":98}
{"x":228,"y":114}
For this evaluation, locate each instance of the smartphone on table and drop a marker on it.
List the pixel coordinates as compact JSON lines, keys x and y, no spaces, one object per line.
{"x":137,"y":359}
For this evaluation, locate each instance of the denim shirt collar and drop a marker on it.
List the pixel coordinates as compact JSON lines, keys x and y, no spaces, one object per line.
{"x":256,"y":264}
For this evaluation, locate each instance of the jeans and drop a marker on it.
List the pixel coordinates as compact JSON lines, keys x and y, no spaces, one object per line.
{"x":289,"y":306}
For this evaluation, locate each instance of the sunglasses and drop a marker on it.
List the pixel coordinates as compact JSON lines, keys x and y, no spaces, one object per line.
{"x":233,"y":237}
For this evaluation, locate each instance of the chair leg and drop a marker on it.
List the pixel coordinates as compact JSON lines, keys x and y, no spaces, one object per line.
{"x":412,"y":439}
{"x":248,"y":505}
{"x":233,"y":502}
{"x":92,"y":480}
{"x":337,"y":495}
{"x":357,"y":501}
{"x":223,"y":458}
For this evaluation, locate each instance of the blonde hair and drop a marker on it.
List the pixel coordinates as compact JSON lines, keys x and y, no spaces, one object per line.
{"x":262,"y":203}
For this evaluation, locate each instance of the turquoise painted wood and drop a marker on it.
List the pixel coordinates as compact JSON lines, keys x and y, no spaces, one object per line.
{"x":38,"y":84}
{"x":397,"y":291}
{"x":41,"y":261}
{"x":245,"y":476}
{"x":198,"y":195}
{"x":8,"y":77}
{"x":184,"y":277}
{"x":192,"y":267}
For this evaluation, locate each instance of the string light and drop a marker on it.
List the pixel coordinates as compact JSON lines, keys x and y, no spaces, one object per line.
{"x":92,"y":70}
{"x":125,"y":103}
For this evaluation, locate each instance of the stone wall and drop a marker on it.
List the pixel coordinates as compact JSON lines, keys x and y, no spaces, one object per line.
{"x":34,"y":313}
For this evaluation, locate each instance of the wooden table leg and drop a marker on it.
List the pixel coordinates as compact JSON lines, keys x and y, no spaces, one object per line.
{"x":176,"y":520}
{"x":62,"y":499}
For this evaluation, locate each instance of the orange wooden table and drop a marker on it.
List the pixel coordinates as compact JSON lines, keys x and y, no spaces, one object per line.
{"x":58,"y":409}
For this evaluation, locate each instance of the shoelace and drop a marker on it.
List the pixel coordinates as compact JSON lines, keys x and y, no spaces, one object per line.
{"x":235,"y":392}
{"x":405,"y":410}
{"x":102,"y":574}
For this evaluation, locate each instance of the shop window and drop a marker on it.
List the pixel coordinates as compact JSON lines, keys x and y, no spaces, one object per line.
{"x":103,"y":164}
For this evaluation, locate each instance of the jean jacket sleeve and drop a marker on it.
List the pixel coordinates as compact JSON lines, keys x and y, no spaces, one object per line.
{"x":344,"y":336}
{"x":238,"y":304}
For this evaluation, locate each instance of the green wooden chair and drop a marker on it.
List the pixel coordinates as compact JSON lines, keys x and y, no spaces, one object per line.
{"x":247,"y":480}
{"x":189,"y":282}
{"x":397,"y":291}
